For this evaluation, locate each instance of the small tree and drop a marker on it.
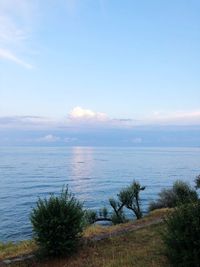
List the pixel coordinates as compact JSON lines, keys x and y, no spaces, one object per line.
{"x":130,"y":197}
{"x":180,"y":193}
{"x":118,"y":215}
{"x":182,"y":235}
{"x":58,"y":223}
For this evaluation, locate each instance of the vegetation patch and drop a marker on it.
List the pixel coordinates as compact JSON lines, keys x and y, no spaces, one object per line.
{"x":180,"y":193}
{"x":87,"y":253}
{"x":139,"y":248}
{"x":10,"y":250}
{"x":58,"y":224}
{"x":182,"y":235}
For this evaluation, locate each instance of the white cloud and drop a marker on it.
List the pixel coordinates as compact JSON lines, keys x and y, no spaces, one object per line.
{"x":15,"y":28}
{"x":81,"y":114}
{"x":70,"y":139}
{"x":9,"y":32}
{"x":27,"y":122}
{"x":6,"y":54}
{"x":174,"y":118}
{"x":80,"y":118}
{"x":49,"y":138}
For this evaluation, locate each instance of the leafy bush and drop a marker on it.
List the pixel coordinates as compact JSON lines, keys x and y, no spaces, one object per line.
{"x":58,"y":223}
{"x":103,"y":213}
{"x":182,"y":235}
{"x":90,"y":217}
{"x":117,"y":215}
{"x":197,"y":182}
{"x":180,"y":193}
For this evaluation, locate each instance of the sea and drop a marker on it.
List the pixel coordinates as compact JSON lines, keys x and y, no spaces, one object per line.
{"x":93,"y":175}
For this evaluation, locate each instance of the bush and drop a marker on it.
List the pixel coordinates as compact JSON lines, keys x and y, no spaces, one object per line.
{"x":90,"y":217}
{"x":180,"y":193}
{"x":197,"y":182}
{"x":117,"y":215}
{"x":58,"y":223}
{"x":103,"y":213}
{"x":182,"y":236}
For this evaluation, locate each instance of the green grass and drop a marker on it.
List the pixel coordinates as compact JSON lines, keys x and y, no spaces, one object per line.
{"x":142,"y":248}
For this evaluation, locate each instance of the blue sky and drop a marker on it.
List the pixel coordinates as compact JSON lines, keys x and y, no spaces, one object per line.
{"x":99,"y":64}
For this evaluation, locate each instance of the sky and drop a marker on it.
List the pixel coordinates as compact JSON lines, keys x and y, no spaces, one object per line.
{"x":99,"y":66}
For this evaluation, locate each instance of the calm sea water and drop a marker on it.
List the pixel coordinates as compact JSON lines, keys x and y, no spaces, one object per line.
{"x":93,"y":174}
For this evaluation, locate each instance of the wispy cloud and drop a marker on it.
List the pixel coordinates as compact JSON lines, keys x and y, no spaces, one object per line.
{"x":27,"y":122}
{"x":15,"y":17}
{"x":50,"y":138}
{"x":173,"y":118}
{"x":8,"y":55}
{"x":9,"y":31}
{"x":83,"y":118}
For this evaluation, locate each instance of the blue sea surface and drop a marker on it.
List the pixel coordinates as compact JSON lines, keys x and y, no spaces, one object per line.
{"x":94,"y":174}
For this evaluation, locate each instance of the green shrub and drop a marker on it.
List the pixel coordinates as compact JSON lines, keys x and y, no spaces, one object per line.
{"x":197,"y":182}
{"x":90,"y":217}
{"x":57,"y":223}
{"x":117,"y":215}
{"x":182,"y":236}
{"x":103,"y":213}
{"x":180,"y":193}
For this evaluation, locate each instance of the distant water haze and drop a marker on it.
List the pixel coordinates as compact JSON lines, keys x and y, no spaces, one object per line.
{"x":94,"y":174}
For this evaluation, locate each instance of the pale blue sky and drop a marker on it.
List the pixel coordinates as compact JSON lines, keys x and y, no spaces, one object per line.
{"x":129,"y":59}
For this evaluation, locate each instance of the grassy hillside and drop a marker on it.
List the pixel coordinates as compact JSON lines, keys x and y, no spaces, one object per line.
{"x":136,"y":247}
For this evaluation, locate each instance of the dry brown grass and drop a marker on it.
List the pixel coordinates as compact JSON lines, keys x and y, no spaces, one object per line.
{"x":95,"y":230}
{"x":142,"y":247}
{"x":13,"y":250}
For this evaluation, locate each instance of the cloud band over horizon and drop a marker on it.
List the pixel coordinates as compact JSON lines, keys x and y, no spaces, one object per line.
{"x":81,"y":117}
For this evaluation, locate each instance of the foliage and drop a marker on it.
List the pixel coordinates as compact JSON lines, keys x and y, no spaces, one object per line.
{"x":103,"y":213}
{"x":141,"y":248}
{"x":180,"y":193}
{"x":147,"y":245}
{"x":118,"y":215}
{"x":57,"y":223}
{"x":90,"y":216}
{"x":197,"y":182}
{"x":129,"y":196}
{"x":182,"y":235}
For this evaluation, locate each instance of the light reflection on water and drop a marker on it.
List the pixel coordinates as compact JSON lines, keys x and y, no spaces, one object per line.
{"x":93,"y":174}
